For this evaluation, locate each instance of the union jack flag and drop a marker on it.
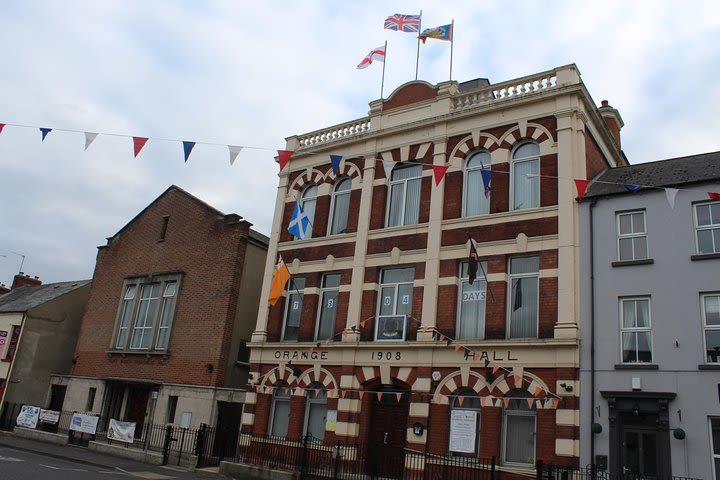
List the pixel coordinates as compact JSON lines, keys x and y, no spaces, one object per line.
{"x":403,"y":23}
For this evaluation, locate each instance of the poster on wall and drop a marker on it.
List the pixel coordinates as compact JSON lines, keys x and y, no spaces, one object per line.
{"x":28,"y":416}
{"x":331,"y":420}
{"x":463,"y":430}
{"x":121,"y":431}
{"x":84,"y":423}
{"x":49,"y":416}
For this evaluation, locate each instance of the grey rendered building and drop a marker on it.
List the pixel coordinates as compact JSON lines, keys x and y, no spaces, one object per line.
{"x":650,"y":319}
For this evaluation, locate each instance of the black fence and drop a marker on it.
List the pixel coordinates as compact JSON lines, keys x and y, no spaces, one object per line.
{"x":556,"y":472}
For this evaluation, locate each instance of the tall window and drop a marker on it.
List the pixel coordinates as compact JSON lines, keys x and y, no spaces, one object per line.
{"x":471,"y":320}
{"x":518,"y":430}
{"x":315,"y":411}
{"x":635,"y":330}
{"x":340,"y":206}
{"x":715,"y":445}
{"x":404,"y":195}
{"x":526,"y":176}
{"x":146,"y":313}
{"x":707,"y":226}
{"x":280,"y":413}
{"x":632,"y":236}
{"x":710,"y":305}
{"x":396,"y":287}
{"x":475,"y":201}
{"x":293,"y":308}
{"x":523,"y":297}
{"x":328,"y":306}
{"x":465,"y":424}
{"x":308,"y":202}
{"x":171,"y":409}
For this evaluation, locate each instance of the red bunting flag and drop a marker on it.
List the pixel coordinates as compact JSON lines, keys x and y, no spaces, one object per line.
{"x":138,"y":144}
{"x":284,"y":158}
{"x":379,"y":395}
{"x":581,"y":186}
{"x":2,"y":125}
{"x":398,"y":396}
{"x":714,"y":195}
{"x":496,"y":367}
{"x":530,"y":401}
{"x":506,"y":401}
{"x":361,"y":393}
{"x":460,"y":400}
{"x":343,"y":393}
{"x":439,"y":172}
{"x":458,"y":346}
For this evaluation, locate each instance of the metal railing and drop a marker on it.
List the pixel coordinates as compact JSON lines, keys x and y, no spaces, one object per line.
{"x":559,"y":472}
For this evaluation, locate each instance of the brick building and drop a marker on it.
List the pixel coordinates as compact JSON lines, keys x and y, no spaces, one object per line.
{"x":381,"y":340}
{"x":171,"y":308}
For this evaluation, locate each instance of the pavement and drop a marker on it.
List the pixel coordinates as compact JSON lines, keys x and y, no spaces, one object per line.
{"x":82,"y":455}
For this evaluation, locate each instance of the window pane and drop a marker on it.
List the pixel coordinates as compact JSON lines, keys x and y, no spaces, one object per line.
{"x":317,"y":413}
{"x":625,"y":224}
{"x":716,"y":235}
{"x":629,"y":347}
{"x":625,"y":249}
{"x":405,"y":172}
{"x":387,"y":300}
{"x":309,"y":197}
{"x":527,"y":150}
{"x":412,"y":202}
{"x":328,"y":312}
{"x":331,"y":280}
{"x":130,"y":292}
{"x":640,"y":248}
{"x":644,"y":347}
{"x":404,"y":299}
{"x":478,"y":160}
{"x":638,"y":220}
{"x":397,"y":192}
{"x":145,"y":316}
{"x":398,"y":275}
{"x":705,"y":241}
{"x":524,"y":265}
{"x":715,"y":426}
{"x":628,"y":309}
{"x":712,"y":345}
{"x":520,"y":439}
{"x":475,"y":202}
{"x":294,"y":308}
{"x":712,"y":310}
{"x":340,"y":213}
{"x":472,"y":310}
{"x":524,"y":308}
{"x":281,"y":415}
{"x":526,"y":184}
{"x":643,"y":313}
{"x":715,"y":213}
{"x":703,"y":215}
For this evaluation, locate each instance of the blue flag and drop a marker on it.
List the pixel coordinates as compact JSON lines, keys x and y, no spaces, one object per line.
{"x":335,"y":160}
{"x":632,"y":188}
{"x":486,"y":177}
{"x":45,"y":131}
{"x":187,"y":147}
{"x":299,"y":223}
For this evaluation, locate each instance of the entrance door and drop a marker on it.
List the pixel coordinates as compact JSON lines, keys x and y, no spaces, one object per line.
{"x":227,"y":429}
{"x":639,"y":453}
{"x":387,"y":436}
{"x":137,"y":407}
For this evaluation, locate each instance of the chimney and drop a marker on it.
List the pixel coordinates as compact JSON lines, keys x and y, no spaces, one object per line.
{"x":22,"y":280}
{"x":3,"y":289}
{"x":612,"y":119}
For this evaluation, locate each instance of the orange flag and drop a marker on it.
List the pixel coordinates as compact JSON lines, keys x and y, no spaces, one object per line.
{"x":280,"y":277}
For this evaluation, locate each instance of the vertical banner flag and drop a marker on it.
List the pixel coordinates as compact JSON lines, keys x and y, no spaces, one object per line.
{"x":581,"y":186}
{"x":234,"y":151}
{"x":45,"y":132}
{"x":89,"y":138}
{"x":443,"y":32}
{"x":284,"y":158}
{"x":375,"y":54}
{"x":671,"y":193}
{"x":486,"y":178}
{"x":335,"y":161}
{"x":138,"y":144}
{"x":187,"y":148}
{"x":403,"y":23}
{"x":280,"y":277}
{"x":439,"y":172}
{"x":299,"y":223}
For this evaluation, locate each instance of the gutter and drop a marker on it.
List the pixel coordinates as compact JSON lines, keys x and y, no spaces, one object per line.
{"x":592,"y":336}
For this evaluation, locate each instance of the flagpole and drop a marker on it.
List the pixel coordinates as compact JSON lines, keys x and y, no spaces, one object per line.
{"x":452,"y":44}
{"x":382,"y":83}
{"x":487,"y":283}
{"x":417,"y":57}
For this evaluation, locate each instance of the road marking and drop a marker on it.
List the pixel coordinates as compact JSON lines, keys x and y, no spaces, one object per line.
{"x":10,"y":459}
{"x":66,"y":469}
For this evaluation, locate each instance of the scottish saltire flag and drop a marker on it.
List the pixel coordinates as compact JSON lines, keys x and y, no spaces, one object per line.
{"x":375,"y":54}
{"x":403,"y":23}
{"x":486,"y":178}
{"x":443,"y":32}
{"x":299,"y":223}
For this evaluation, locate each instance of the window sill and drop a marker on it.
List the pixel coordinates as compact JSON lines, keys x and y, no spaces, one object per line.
{"x":637,"y":366}
{"x":628,"y":263}
{"x":709,"y":366}
{"x":705,"y":256}
{"x":138,"y":353}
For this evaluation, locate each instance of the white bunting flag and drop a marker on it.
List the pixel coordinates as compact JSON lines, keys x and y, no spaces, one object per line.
{"x":89,"y":138}
{"x":671,"y":193}
{"x":388,"y":166}
{"x":234,"y":151}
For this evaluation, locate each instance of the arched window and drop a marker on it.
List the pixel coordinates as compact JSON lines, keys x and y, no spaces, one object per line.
{"x":475,"y":201}
{"x":525,"y":174}
{"x":315,"y":411}
{"x":464,"y":423}
{"x":518,"y":430}
{"x":404,"y":207}
{"x":280,"y":410}
{"x":340,"y":206}
{"x":307,"y":202}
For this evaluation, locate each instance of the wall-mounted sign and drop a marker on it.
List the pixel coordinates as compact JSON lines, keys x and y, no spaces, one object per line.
{"x":300,"y":355}
{"x":84,"y":423}
{"x":463,"y":430}
{"x":491,"y":355}
{"x":28,"y":416}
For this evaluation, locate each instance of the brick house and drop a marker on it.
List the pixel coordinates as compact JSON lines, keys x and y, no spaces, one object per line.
{"x":381,"y":340}
{"x":171,"y":307}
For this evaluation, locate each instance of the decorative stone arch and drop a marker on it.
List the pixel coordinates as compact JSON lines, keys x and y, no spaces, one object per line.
{"x":475,"y":141}
{"x":533,"y":132}
{"x":527,"y":381}
{"x":404,"y":153}
{"x":459,"y":379}
{"x":317,"y":374}
{"x":311,"y":175}
{"x":349,"y":170}
{"x":279,"y":373}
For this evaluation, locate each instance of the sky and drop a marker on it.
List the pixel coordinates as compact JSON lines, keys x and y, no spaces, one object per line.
{"x":250,"y":74}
